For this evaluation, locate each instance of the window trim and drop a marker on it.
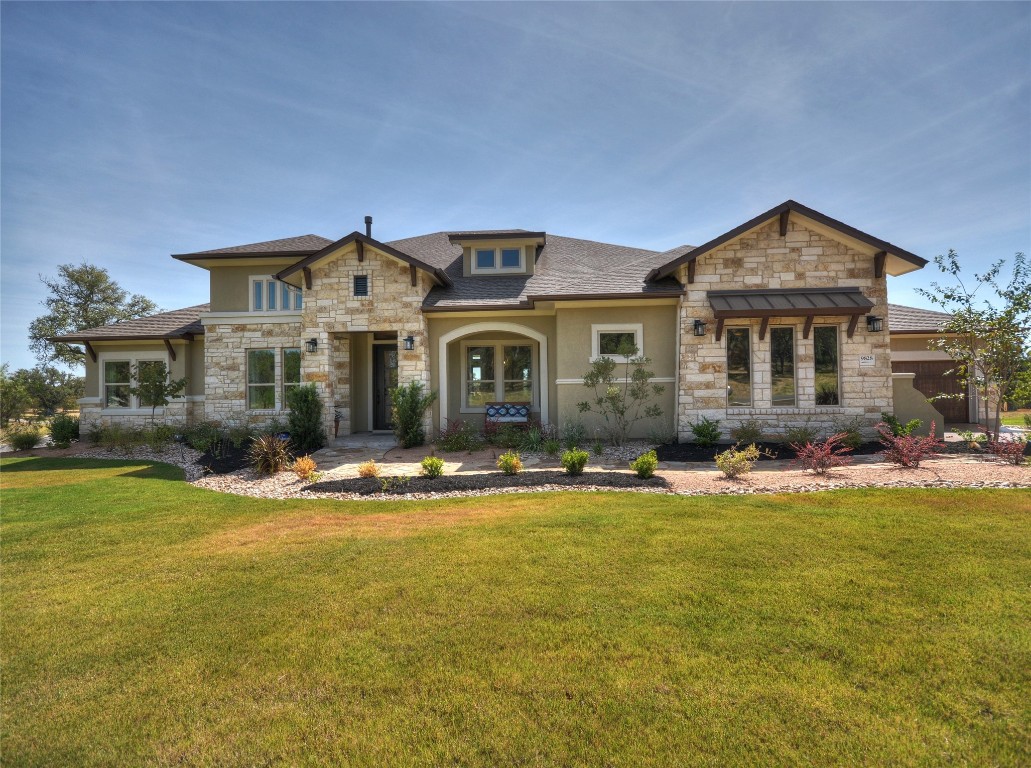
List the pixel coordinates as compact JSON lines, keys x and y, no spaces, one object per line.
{"x":794,"y":365}
{"x":277,"y":291}
{"x":751,"y":365}
{"x":499,"y":370}
{"x":599,"y":328}
{"x":497,"y":269}
{"x":368,"y":286}
{"x":133,"y":358}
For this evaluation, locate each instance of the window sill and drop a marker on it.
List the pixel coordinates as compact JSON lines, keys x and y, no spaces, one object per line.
{"x":116,"y":411}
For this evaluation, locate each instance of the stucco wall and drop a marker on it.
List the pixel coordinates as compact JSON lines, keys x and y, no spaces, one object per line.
{"x":804,"y":258}
{"x":231,"y":285}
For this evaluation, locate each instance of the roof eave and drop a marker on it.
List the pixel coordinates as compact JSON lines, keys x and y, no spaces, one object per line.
{"x":438,"y":274}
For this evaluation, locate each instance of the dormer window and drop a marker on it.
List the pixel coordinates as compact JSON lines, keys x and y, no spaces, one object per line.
{"x":498,"y":260}
{"x":268,"y":295}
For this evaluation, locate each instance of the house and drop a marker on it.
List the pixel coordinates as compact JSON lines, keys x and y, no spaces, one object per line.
{"x":783,"y":319}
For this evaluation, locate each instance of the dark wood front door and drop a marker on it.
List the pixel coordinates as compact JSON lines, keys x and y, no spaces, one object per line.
{"x":932,"y":381}
{"x":384,"y":379}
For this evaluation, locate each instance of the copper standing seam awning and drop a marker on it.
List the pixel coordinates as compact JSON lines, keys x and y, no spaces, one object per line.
{"x":788,"y":302}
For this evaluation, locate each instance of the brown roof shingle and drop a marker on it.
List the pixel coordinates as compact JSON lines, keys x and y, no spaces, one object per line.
{"x":164,"y":325}
{"x":915,"y":320}
{"x":302,"y":245}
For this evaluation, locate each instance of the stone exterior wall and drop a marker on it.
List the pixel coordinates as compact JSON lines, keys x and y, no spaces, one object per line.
{"x":177,"y":412}
{"x":804,"y":258}
{"x":331,"y":309}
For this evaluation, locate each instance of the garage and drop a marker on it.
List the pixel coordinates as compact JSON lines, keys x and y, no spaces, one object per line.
{"x":932,"y":380}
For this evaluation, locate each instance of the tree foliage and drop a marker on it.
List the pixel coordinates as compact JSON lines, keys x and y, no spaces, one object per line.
{"x":153,"y":386}
{"x":80,"y":297}
{"x":14,"y":398}
{"x":988,"y":337}
{"x":47,"y":389}
{"x":622,"y":391}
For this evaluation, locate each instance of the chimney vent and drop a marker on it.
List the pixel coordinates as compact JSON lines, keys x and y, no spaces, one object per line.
{"x":368,"y":226}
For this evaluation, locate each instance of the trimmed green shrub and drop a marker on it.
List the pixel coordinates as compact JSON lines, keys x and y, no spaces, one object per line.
{"x":408,"y":405}
{"x":510,"y":463}
{"x":801,"y":435}
{"x":458,"y":435}
{"x":552,"y":446}
{"x":432,"y":467}
{"x":751,"y":431}
{"x":733,"y":462}
{"x":269,"y":454}
{"x":850,"y":431}
{"x":645,"y":465}
{"x":63,"y":429}
{"x":24,"y":439}
{"x":574,"y":432}
{"x":898,"y":429}
{"x":574,"y":460}
{"x":706,"y":432}
{"x":307,"y":434}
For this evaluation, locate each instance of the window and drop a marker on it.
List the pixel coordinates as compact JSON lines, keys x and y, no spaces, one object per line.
{"x":143,"y":365}
{"x":117,"y":380}
{"x":825,"y":354}
{"x":268,"y":295}
{"x":782,"y":366}
{"x":484,"y":361}
{"x":261,"y":379}
{"x":739,"y":367}
{"x":617,"y":340}
{"x":494,"y":260}
{"x":361,"y":285}
{"x":291,"y":372}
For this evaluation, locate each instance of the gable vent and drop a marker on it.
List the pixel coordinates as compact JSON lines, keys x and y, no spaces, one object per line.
{"x":361,"y":285}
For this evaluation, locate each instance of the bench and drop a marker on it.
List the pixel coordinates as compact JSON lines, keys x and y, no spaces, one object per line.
{"x":507,"y":413}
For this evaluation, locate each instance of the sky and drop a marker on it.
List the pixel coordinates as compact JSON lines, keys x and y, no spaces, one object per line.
{"x":131,"y":131}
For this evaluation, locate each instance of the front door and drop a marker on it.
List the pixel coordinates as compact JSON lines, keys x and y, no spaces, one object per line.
{"x":384,"y":379}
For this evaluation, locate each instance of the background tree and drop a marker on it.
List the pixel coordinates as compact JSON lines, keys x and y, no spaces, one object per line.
{"x":14,"y":400}
{"x":80,"y":297}
{"x":153,"y":386}
{"x":987,"y":337}
{"x":50,"y":389}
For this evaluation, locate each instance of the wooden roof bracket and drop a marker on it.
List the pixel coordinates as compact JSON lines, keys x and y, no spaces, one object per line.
{"x":361,"y":250}
{"x":171,"y":351}
{"x":763,"y":327}
{"x":690,"y":271}
{"x":307,"y":278}
{"x":90,"y":351}
{"x":411,"y":272}
{"x":808,"y":326}
{"x":784,"y":222}
{"x":719,"y":328}
{"x":878,"y":264}
{"x":852,"y":325}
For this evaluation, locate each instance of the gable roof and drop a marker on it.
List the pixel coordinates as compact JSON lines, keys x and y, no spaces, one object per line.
{"x":177,"y":324}
{"x":915,"y":320}
{"x":787,"y":207}
{"x":437,"y":273}
{"x":302,"y":245}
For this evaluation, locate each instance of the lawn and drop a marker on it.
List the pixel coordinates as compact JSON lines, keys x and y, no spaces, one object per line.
{"x":149,"y":622}
{"x":1015,"y":418}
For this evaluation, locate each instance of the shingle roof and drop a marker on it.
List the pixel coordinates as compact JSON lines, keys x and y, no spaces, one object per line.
{"x":915,"y":320}
{"x":165,"y":325}
{"x":301,"y":245}
{"x":565,"y":267}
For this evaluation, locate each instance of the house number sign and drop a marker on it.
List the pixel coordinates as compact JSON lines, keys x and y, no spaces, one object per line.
{"x":866,"y":361}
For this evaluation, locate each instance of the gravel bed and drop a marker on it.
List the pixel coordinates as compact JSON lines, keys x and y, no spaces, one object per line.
{"x":183,"y":457}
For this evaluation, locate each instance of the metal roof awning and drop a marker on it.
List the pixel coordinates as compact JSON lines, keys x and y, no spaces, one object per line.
{"x":788,"y":302}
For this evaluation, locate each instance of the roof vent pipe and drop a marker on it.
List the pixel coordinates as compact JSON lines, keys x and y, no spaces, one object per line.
{"x":368,"y":226}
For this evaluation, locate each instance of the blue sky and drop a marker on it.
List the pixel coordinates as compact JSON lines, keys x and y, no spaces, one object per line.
{"x":134,"y":130}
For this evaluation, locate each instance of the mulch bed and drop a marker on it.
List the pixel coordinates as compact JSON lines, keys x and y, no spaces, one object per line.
{"x":368,"y":486}
{"x":769,"y":451}
{"x":229,"y":459}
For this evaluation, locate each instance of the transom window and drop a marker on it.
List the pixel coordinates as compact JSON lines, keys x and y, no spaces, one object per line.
{"x":268,"y":295}
{"x":498,"y":260}
{"x":617,"y":341}
{"x":497,"y":372}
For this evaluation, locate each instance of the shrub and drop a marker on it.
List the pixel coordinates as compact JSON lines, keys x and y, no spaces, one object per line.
{"x":1027,"y":420}
{"x":552,"y":446}
{"x":907,"y":450}
{"x":645,"y":465}
{"x":898,"y":429}
{"x":304,"y":467}
{"x":822,"y":456}
{"x":734,"y":462}
{"x":621,"y":392}
{"x":305,"y":420}
{"x":973,"y":439}
{"x":826,"y":394}
{"x":851,"y":432}
{"x":64,"y":429}
{"x":457,"y":435}
{"x":800,"y":435}
{"x":408,"y":405}
{"x":368,"y":469}
{"x":510,"y":463}
{"x":158,"y":437}
{"x":574,"y":432}
{"x":751,"y":431}
{"x":24,"y":439}
{"x":663,"y":433}
{"x":597,"y":448}
{"x":432,"y":467}
{"x":269,"y":454}
{"x":706,"y":432}
{"x":120,"y":437}
{"x":203,"y":435}
{"x":574,"y":460}
{"x":503,"y":435}
{"x":1009,"y":451}
{"x":533,"y":440}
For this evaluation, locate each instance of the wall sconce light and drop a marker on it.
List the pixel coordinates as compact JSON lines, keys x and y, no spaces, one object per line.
{"x":312,"y":345}
{"x":699,"y":327}
{"x":874,"y":324}
{"x":409,"y":342}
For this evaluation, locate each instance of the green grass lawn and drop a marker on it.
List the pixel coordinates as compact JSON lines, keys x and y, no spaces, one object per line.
{"x":1015,"y":418}
{"x":145,"y":621}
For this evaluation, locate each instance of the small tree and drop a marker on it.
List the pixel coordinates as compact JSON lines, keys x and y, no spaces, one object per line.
{"x":621,"y":392}
{"x":989,"y":341}
{"x":408,"y":404}
{"x":14,"y":399}
{"x":153,"y":386}
{"x":305,"y":421}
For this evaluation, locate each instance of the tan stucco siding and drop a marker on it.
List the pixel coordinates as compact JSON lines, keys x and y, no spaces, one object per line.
{"x":231,"y":285}
{"x":914,"y":348}
{"x":529,"y":252}
{"x":763,"y":259}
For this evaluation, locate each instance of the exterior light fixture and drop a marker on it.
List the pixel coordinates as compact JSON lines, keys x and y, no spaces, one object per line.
{"x":874,"y":324}
{"x":312,"y":345}
{"x":699,"y":327}
{"x":409,"y":342}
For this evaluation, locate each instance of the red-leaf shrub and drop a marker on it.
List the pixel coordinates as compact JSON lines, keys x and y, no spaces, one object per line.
{"x":819,"y":457}
{"x":908,"y":450}
{"x":1009,"y":451}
